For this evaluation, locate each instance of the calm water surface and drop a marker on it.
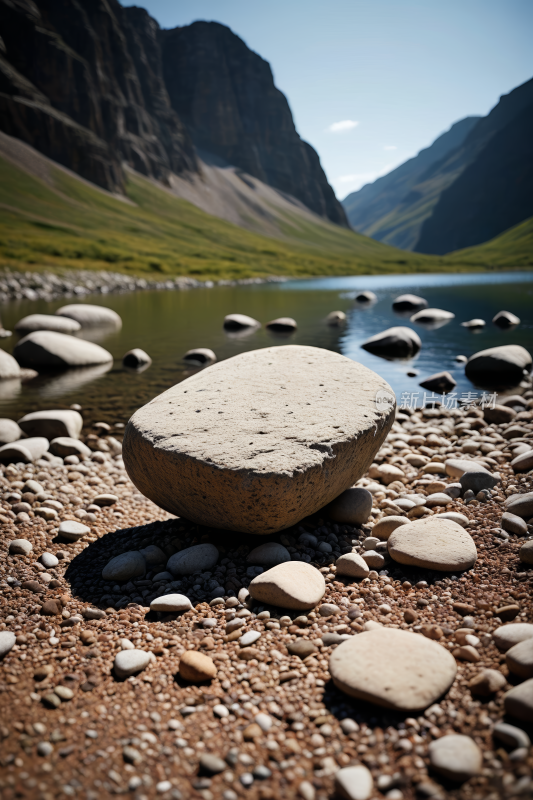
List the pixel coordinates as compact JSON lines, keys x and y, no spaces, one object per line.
{"x":167,"y":324}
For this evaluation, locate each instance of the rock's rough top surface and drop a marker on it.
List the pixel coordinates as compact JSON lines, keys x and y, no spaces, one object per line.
{"x":433,"y":543}
{"x":293,"y":585}
{"x":260,"y":441}
{"x":53,"y":350}
{"x":393,"y":668}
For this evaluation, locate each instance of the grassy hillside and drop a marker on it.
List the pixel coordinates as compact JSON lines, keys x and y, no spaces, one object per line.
{"x":61,"y":222}
{"x":513,"y":247}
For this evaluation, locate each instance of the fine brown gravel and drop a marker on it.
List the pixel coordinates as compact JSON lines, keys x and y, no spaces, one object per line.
{"x":70,"y":728}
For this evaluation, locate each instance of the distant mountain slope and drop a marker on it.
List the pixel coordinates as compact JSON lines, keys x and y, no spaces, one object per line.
{"x":494,"y":193}
{"x":225,"y":94}
{"x":513,"y":248}
{"x":402,"y":226}
{"x":386,"y":209}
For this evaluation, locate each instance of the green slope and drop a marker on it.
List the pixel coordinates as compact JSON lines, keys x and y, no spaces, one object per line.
{"x":60,"y":222}
{"x":513,"y":247}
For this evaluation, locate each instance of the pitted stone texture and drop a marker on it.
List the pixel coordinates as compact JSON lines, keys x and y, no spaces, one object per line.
{"x":58,"y":351}
{"x":295,"y":585}
{"x":352,"y":507}
{"x":52,"y":424}
{"x":46,"y":322}
{"x":90,"y":316}
{"x":259,"y":441}
{"x":392,"y":668}
{"x":456,"y":757}
{"x":507,"y":636}
{"x":433,"y":543}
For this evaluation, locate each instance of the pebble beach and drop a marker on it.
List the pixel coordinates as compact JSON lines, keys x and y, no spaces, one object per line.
{"x":108,"y":688}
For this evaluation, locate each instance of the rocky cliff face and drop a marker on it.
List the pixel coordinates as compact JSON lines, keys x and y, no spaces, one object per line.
{"x":87,"y":83}
{"x":226,"y":96}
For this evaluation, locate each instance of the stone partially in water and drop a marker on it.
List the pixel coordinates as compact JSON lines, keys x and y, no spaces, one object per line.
{"x":396,"y":342}
{"x":46,"y":322}
{"x":241,"y":446}
{"x":440,"y":382}
{"x":239,"y":322}
{"x":50,"y":350}
{"x":282,"y":325}
{"x":90,"y":316}
{"x":504,"y":365}
{"x":408,"y":302}
{"x":505,"y":320}
{"x":9,"y":367}
{"x":136,"y":359}
{"x":393,"y":668}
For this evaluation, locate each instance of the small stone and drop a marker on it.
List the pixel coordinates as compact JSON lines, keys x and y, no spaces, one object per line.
{"x":523,"y":462}
{"x":383,"y":529}
{"x":65,"y":446}
{"x":437,"y":499}
{"x":212,"y":765}
{"x":249,"y":638}
{"x":125,"y":644}
{"x":456,"y":467}
{"x":328,"y":610}
{"x":125,"y":567}
{"x":410,"y":616}
{"x":518,"y":701}
{"x":196,"y":667}
{"x":220,"y":711}
{"x":33,"y":586}
{"x":393,"y":668}
{"x":130,"y":662}
{"x":353,"y":565}
{"x":105,"y":500}
{"x":44,"y":749}
{"x":508,"y":635}
{"x":199,"y":558}
{"x":131,"y":755}
{"x":467,"y":653}
{"x":373,"y":559}
{"x":352,"y":507}
{"x":306,"y":790}
{"x":251,"y":732}
{"x":507,"y":613}
{"x":50,"y":608}
{"x":163,"y":786}
{"x":171,"y":603}
{"x":52,"y":700}
{"x":153,"y":555}
{"x":264,"y":721}
{"x":510,"y":735}
{"x":301,"y":648}
{"x":46,"y":513}
{"x":331,"y":639}
{"x":293,"y":585}
{"x":354,"y":783}
{"x":94,"y":613}
{"x":20,"y":547}
{"x":48,"y":560}
{"x":433,"y":544}
{"x":269,"y":555}
{"x":525,"y":553}
{"x":454,"y":516}
{"x":370,"y":542}
{"x":349,"y":726}
{"x":456,"y":757}
{"x":7,"y":642}
{"x":513,"y":524}
{"x":519,"y":659}
{"x":476,"y":481}
{"x":520,"y":504}
{"x":487,"y":682}
{"x":64,"y":693}
{"x":71,"y":530}
{"x":463,"y":609}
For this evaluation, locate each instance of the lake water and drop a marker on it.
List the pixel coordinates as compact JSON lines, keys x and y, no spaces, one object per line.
{"x":168,"y":323}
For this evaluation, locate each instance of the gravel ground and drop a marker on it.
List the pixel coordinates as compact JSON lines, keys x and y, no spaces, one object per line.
{"x":270,"y":724}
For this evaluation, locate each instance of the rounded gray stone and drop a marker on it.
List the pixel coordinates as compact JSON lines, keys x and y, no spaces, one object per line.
{"x":199,"y":558}
{"x":282,"y":325}
{"x":49,"y":560}
{"x":456,"y":467}
{"x":374,"y":559}
{"x":20,"y":547}
{"x":383,"y":529}
{"x":49,"y":350}
{"x":64,"y":446}
{"x":506,"y":636}
{"x":393,"y":668}
{"x":454,"y":516}
{"x":353,"y":565}
{"x":354,"y":783}
{"x":51,"y":424}
{"x":9,"y":367}
{"x":200,"y":357}
{"x":520,"y":504}
{"x":136,"y":359}
{"x":456,"y":757}
{"x":153,"y":555}
{"x":171,"y":603}
{"x":130,"y":662}
{"x":433,"y":543}
{"x":72,"y":530}
{"x":7,"y":642}
{"x":438,"y":499}
{"x":125,"y":567}
{"x":511,"y":735}
{"x":523,"y":462}
{"x":294,"y":585}
{"x":352,"y":507}
{"x":9,"y":431}
{"x":396,"y":342}
{"x":476,"y":481}
{"x":249,"y":638}
{"x":328,"y":610}
{"x":221,"y":449}
{"x":238,"y":322}
{"x":526,"y":552}
{"x":46,"y":322}
{"x":25,"y":450}
{"x":268,"y":555}
{"x":501,"y":365}
{"x":103,"y":500}
{"x":91,"y":316}
{"x":432,"y":317}
{"x":518,"y":701}
{"x":408,"y":302}
{"x":505,"y":319}
{"x":212,"y":765}
{"x":519,"y":659}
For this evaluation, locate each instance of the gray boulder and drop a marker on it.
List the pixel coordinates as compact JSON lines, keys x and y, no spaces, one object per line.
{"x":352,"y":507}
{"x":396,"y":342}
{"x":50,"y":350}
{"x":46,"y":322}
{"x":506,"y":320}
{"x":9,"y":367}
{"x":90,"y":316}
{"x":408,"y":302}
{"x":505,"y":365}
{"x":476,"y":481}
{"x":9,"y":431}
{"x":53,"y":423}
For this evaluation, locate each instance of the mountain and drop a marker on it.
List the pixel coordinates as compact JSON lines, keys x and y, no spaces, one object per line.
{"x":225,"y":95}
{"x":392,"y":208}
{"x":99,"y":88}
{"x":410,"y":222}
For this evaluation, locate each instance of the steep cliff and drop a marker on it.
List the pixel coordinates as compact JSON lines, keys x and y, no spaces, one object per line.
{"x":80,"y":80}
{"x":226,"y":96}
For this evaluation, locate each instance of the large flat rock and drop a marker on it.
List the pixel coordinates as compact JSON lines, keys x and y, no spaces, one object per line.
{"x":260,"y":441}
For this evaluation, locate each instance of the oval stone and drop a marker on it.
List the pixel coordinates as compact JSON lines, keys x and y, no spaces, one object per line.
{"x":295,"y":585}
{"x":456,"y":757}
{"x":129,"y":662}
{"x":508,"y":635}
{"x":433,"y":543}
{"x":393,"y":668}
{"x":269,"y":555}
{"x":198,"y":558}
{"x":241,"y":446}
{"x":124,"y":567}
{"x":353,"y":565}
{"x":171,"y":603}
{"x":352,"y":507}
{"x":383,"y":529}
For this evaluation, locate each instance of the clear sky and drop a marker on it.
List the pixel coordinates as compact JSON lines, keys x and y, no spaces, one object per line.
{"x":371,"y":82}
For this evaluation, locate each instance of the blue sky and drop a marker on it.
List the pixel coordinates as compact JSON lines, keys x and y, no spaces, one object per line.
{"x":397,"y":73}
